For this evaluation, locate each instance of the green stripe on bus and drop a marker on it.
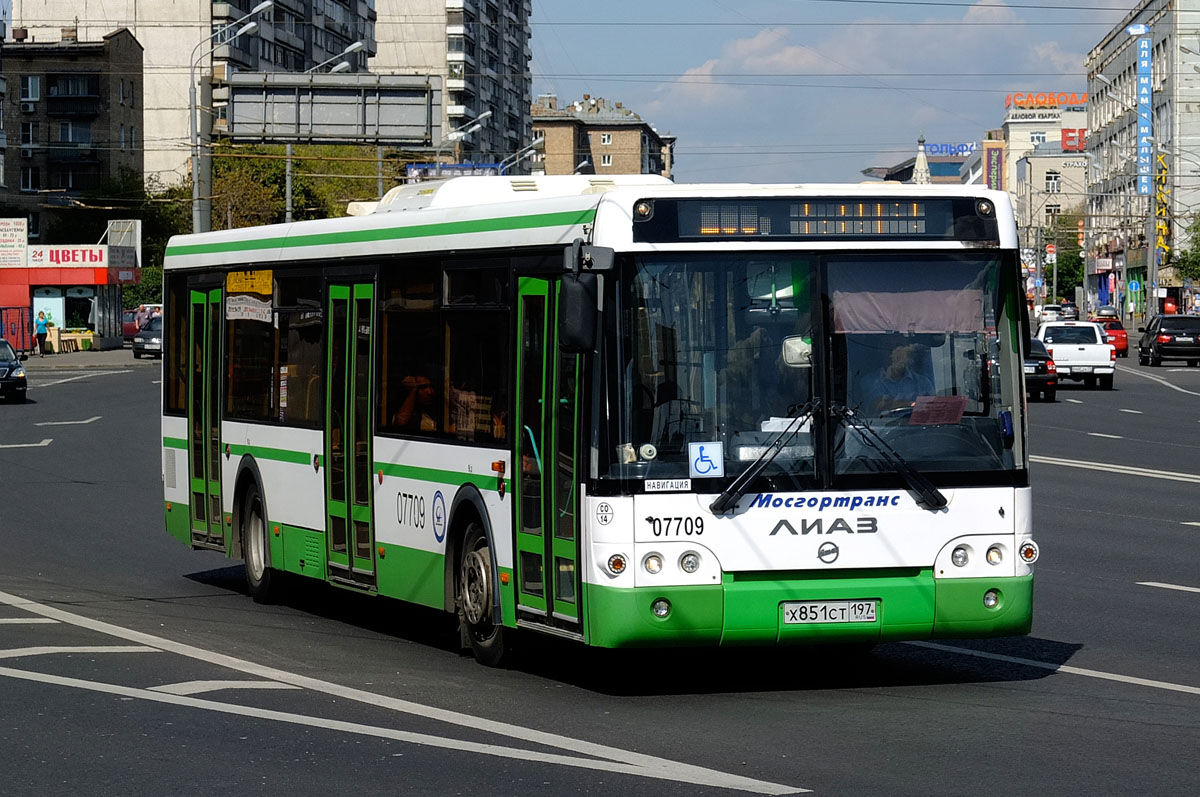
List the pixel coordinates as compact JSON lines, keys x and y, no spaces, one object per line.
{"x":485,"y":481}
{"x":276,"y":454}
{"x":560,"y":219}
{"x":175,"y":442}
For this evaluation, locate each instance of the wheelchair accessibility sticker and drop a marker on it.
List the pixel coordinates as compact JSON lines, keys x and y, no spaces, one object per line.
{"x":706,"y":460}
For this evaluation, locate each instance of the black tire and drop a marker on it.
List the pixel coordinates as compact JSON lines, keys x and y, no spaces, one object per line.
{"x":137,"y":355}
{"x":1089,"y":382}
{"x":262,"y":581}
{"x":476,"y":597}
{"x":1193,"y":363}
{"x":1049,"y":395}
{"x":1106,"y":382}
{"x":1142,"y":359}
{"x":1155,"y":362}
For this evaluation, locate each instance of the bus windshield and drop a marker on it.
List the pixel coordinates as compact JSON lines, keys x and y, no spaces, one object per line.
{"x":900,"y":352}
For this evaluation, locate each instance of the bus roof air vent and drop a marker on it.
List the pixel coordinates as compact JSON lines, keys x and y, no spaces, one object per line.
{"x":598,"y":185}
{"x":524,"y":185}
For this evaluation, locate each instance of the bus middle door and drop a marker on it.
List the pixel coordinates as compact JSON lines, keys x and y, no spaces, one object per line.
{"x":349,"y":525}
{"x":547,"y":462}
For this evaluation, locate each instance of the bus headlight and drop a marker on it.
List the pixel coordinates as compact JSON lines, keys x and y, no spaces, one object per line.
{"x":991,"y":599}
{"x":661,"y":607}
{"x":689,"y":562}
{"x":994,"y":555}
{"x":652,"y":563}
{"x":960,"y":557}
{"x":1028,"y":552}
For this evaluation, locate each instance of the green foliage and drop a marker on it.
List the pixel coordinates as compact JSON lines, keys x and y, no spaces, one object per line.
{"x":1187,"y":261}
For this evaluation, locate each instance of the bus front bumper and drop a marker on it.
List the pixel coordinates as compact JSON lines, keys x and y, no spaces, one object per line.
{"x":749,"y":609}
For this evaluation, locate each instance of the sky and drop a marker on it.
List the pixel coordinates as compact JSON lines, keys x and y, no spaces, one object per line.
{"x":812,"y":90}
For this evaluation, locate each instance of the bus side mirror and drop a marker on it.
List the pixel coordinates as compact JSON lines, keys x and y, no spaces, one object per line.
{"x":577,"y":313}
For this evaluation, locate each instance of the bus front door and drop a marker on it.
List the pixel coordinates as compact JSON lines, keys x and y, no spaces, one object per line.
{"x":547,"y":462}
{"x":349,"y":530}
{"x":204,"y":418}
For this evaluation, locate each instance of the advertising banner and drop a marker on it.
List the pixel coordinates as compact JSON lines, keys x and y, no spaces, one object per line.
{"x":14,"y":235}
{"x":993,"y":164}
{"x":1145,"y":113}
{"x":68,"y":256}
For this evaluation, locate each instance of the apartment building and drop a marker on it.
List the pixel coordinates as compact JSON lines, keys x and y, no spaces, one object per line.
{"x":74,"y":120}
{"x":178,"y":37}
{"x":595,"y":136}
{"x":481,"y":49}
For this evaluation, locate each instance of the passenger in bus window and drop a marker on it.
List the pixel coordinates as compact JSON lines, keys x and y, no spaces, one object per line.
{"x":900,"y":382}
{"x":416,"y":412}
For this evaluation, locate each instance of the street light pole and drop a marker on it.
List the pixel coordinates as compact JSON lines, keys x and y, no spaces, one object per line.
{"x":458,"y":134}
{"x":201,"y":221}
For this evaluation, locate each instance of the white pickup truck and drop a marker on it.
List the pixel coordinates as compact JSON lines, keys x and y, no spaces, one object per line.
{"x":1079,"y":351}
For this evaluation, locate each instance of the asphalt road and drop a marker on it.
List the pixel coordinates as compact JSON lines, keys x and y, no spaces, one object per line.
{"x":107,"y":625}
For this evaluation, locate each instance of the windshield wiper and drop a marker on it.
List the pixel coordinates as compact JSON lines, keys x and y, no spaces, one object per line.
{"x":737,"y":488}
{"x":930,"y":496}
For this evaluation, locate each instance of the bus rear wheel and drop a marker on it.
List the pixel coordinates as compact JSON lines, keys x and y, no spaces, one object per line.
{"x":477,"y":597}
{"x":261,"y":580}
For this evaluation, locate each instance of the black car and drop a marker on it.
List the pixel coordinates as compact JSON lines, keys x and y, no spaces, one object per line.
{"x":12,"y":373}
{"x":148,"y":340}
{"x":1170,"y":337}
{"x":1040,"y":374}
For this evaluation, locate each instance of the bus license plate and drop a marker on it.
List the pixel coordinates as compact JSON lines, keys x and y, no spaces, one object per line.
{"x":829,"y":612}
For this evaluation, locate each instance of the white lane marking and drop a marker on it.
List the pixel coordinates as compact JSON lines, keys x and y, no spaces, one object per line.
{"x":1167,"y":586}
{"x":1122,"y":469}
{"x":615,"y":757}
{"x":39,"y":383}
{"x":661,"y":773}
{"x":1158,"y":379}
{"x":25,"y":620}
{"x":69,"y":423}
{"x":1063,"y":668}
{"x":1134,"y":412}
{"x":49,"y":650}
{"x":196,"y":687}
{"x":1075,"y":401}
{"x":1191,"y":522}
{"x":45,"y":442}
{"x":1108,"y":436}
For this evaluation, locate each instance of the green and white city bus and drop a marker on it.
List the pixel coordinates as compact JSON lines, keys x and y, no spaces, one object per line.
{"x":617,"y":410}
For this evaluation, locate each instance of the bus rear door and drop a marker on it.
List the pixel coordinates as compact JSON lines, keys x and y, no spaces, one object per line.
{"x":204,"y":419}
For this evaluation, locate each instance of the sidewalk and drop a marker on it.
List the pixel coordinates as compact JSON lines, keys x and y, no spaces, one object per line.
{"x":110,"y":359}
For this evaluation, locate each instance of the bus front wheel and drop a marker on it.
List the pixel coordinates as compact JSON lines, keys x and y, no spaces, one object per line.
{"x":261,"y":580}
{"x":477,"y":597}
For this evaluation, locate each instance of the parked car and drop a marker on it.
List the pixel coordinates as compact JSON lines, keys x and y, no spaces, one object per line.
{"x":1115,"y":333}
{"x":129,"y":325}
{"x":1170,"y":337}
{"x":1080,"y":351}
{"x":1050,"y":312}
{"x":1041,"y":375}
{"x":1106,"y":311}
{"x":149,"y":339}
{"x":12,"y":373}
{"x":1070,"y":311}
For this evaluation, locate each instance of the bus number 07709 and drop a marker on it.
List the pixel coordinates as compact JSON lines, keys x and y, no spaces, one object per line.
{"x":410,"y":510}
{"x":676,"y":526}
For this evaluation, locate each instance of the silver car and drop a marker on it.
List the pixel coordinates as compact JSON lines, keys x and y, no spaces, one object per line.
{"x":1050,"y":312}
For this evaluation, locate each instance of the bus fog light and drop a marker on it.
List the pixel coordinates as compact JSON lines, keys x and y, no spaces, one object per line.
{"x":661,"y":607}
{"x":617,"y":564}
{"x":991,"y":599}
{"x":1028,"y":552}
{"x":994,"y":555}
{"x":652,"y":563}
{"x":689,"y":562}
{"x":959,"y":557}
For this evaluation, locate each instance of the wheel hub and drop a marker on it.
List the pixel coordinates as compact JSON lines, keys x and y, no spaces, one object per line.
{"x":476,"y":588}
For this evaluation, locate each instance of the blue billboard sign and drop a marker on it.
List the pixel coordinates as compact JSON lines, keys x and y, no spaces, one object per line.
{"x":1145,"y":117}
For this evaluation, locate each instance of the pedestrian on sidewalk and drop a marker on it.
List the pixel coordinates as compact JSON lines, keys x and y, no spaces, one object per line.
{"x":39,"y":329}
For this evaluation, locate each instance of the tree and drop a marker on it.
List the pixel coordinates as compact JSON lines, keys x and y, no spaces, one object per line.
{"x":1186,"y":262}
